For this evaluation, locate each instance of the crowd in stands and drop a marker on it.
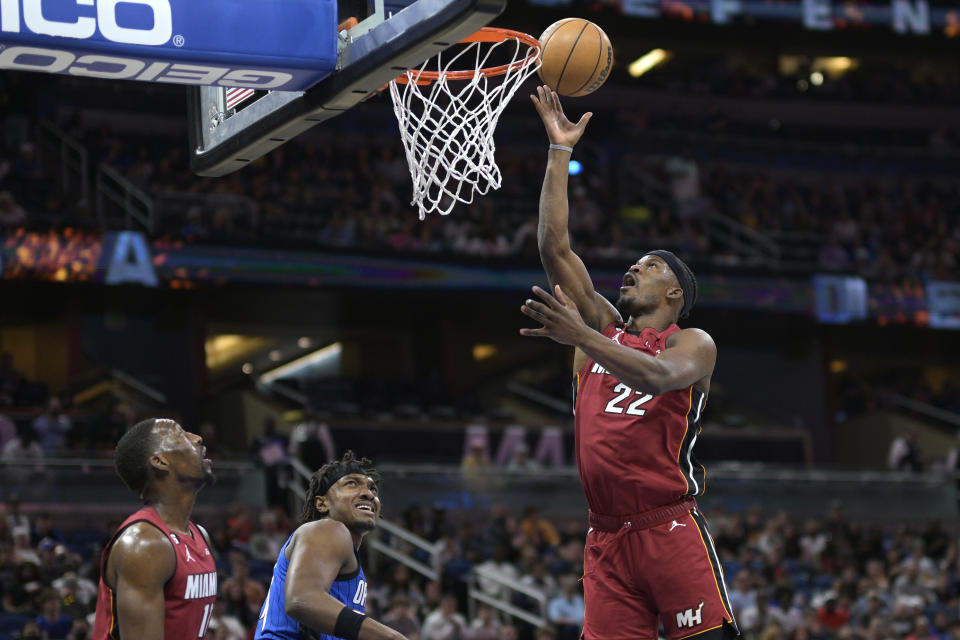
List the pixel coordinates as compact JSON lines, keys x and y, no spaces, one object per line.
{"x":859,"y":394}
{"x":870,"y":82}
{"x":36,"y":424}
{"x":819,"y":578}
{"x":835,"y":210}
{"x":351,"y":194}
{"x":882,"y":230}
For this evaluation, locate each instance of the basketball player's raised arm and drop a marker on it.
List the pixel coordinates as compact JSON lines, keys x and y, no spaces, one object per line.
{"x":324,"y":550}
{"x":563,"y":266}
{"x":142,"y":560}
{"x":689,"y":356}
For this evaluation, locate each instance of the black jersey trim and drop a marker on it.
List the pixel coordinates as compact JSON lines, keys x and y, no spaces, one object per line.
{"x":693,"y":472}
{"x":575,"y":386}
{"x":715,"y":565}
{"x":344,"y":577}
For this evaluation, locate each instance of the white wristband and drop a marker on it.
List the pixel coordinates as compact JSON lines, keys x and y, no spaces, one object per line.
{"x":560,"y":147}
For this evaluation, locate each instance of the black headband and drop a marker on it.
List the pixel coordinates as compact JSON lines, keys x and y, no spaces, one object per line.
{"x":684,"y":277}
{"x":337,"y":472}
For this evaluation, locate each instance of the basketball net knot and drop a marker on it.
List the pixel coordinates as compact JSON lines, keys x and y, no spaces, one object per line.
{"x":447,"y":129}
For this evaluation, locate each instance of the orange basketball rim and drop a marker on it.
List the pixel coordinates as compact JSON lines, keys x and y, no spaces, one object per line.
{"x":485,"y":34}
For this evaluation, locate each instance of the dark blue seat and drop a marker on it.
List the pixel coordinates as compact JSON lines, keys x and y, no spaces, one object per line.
{"x":84,"y":541}
{"x":260,"y":570}
{"x":11,"y":623}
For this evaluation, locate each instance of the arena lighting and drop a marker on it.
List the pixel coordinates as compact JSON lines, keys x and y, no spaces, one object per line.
{"x":484,"y":351}
{"x":574,"y":168}
{"x":648,"y":61}
{"x":834,"y":66}
{"x":816,"y":78}
{"x":310,"y":360}
{"x":223,"y":349}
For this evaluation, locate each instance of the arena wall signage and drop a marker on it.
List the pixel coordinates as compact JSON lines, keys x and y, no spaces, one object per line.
{"x":172,"y":41}
{"x":840,"y":299}
{"x":129,"y":258}
{"x":943,"y":300}
{"x":900,"y":16}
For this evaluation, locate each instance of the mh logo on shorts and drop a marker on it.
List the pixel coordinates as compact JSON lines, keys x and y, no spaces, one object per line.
{"x":690,"y":617}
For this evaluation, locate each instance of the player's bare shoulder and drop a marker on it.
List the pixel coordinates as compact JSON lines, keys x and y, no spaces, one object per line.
{"x":142,"y":538}
{"x":332,"y":534}
{"x":699,"y":345}
{"x":691,"y":335}
{"x":141,"y":548}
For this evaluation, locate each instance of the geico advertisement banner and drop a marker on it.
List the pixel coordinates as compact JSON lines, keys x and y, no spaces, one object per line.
{"x":261,"y":44}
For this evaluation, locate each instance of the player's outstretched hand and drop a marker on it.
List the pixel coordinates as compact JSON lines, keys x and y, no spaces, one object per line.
{"x":559,"y":316}
{"x":559,"y":129}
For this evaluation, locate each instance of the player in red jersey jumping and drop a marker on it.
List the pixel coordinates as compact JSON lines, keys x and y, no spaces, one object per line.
{"x":158,"y":579}
{"x":641,"y":386}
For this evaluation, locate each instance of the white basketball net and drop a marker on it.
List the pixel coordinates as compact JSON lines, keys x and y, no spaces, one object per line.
{"x":447,"y":131}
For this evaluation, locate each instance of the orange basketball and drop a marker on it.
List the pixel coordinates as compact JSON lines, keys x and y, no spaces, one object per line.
{"x":577,"y":57}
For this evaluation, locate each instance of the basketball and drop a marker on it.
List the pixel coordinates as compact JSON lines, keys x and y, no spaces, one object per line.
{"x":576,"y":57}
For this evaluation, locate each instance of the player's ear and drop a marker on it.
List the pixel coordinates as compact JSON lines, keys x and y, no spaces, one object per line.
{"x":159,"y":462}
{"x":674,"y":292}
{"x":320,"y":504}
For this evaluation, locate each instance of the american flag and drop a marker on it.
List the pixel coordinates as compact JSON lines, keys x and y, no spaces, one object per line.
{"x":236,"y":95}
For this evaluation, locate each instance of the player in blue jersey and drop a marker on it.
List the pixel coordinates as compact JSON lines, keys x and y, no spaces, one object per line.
{"x":318,"y":589}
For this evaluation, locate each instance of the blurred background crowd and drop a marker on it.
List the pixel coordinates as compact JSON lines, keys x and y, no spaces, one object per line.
{"x":821,"y":578}
{"x":770,"y":157}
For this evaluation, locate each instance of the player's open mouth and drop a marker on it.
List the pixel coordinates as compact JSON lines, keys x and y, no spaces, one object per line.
{"x":364,"y":507}
{"x":629,"y":280}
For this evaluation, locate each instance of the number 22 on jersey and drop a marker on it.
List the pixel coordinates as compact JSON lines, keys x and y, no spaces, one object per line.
{"x":625,"y":394}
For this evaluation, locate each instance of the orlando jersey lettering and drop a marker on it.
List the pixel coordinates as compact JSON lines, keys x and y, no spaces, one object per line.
{"x":634,"y":448}
{"x":349,"y":588}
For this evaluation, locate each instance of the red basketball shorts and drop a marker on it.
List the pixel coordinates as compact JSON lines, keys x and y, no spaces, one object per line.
{"x":656,"y":566}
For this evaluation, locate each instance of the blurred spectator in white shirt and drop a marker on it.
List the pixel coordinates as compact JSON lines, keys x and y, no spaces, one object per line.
{"x":904,"y":455}
{"x":485,"y":625}
{"x":566,"y":610}
{"x":445,"y":623}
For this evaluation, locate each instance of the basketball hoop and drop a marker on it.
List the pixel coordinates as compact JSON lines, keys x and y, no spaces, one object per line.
{"x":447,"y":130}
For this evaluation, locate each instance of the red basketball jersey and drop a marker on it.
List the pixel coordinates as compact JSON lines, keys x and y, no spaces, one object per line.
{"x":635,"y":449}
{"x":188,"y":595}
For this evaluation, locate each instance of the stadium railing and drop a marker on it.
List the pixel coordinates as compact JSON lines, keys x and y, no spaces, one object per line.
{"x":78,"y":488}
